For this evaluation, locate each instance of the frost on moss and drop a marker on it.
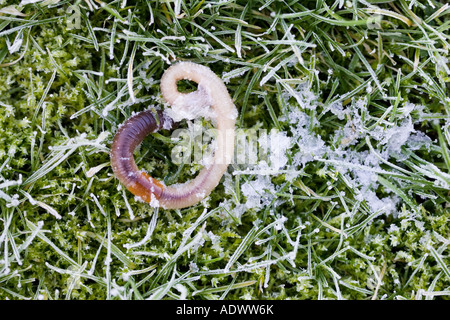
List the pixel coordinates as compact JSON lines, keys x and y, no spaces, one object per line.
{"x":352,"y":203}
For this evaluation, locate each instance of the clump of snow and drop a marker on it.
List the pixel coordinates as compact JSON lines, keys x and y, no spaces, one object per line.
{"x":417,"y":140}
{"x":304,"y":96}
{"x":310,"y":144}
{"x":408,"y":108}
{"x":259,"y":192}
{"x":385,"y":205}
{"x":396,"y":136}
{"x":338,"y":109}
{"x":193,"y":267}
{"x":279,"y":144}
{"x":192,"y":105}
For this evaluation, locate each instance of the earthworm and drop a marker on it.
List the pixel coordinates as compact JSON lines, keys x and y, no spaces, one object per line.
{"x":211,"y":96}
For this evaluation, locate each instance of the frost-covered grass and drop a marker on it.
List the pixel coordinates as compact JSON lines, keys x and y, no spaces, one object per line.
{"x":355,"y":207}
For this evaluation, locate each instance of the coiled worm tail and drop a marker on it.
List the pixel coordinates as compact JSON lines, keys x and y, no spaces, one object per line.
{"x":127,"y":138}
{"x":211,"y":92}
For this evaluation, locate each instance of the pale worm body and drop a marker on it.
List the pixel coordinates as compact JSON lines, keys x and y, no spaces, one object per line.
{"x":211,"y":92}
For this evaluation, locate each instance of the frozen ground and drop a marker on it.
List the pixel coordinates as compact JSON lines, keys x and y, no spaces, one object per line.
{"x":348,"y":199}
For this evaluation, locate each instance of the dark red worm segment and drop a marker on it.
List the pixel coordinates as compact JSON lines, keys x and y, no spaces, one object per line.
{"x":127,"y":138}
